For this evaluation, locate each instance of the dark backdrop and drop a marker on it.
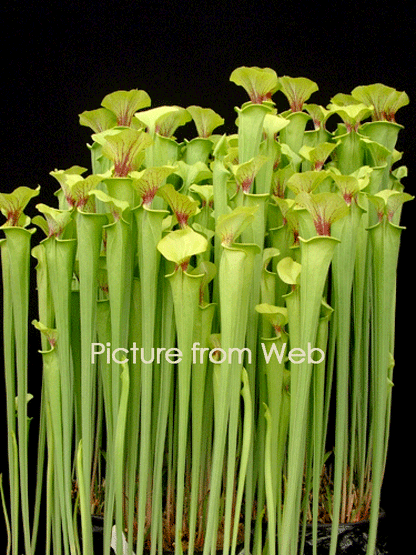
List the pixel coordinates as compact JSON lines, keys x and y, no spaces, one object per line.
{"x":58,"y":62}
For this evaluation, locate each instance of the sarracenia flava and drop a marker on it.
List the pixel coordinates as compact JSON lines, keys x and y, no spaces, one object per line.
{"x":204,"y":306}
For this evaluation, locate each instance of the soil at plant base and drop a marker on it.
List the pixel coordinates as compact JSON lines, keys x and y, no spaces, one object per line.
{"x":168,"y":538}
{"x":97,"y":534}
{"x":352,"y":538}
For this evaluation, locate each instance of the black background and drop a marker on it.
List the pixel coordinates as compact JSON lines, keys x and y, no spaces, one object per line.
{"x":59,"y":61}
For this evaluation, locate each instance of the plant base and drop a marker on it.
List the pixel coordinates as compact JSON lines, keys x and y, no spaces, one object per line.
{"x":352,"y":538}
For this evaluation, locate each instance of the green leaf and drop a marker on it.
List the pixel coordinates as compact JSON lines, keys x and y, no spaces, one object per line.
{"x":178,"y":246}
{"x":76,"y":188}
{"x":297,"y":90}
{"x":289,"y":270}
{"x":192,"y":173}
{"x":351,"y":114}
{"x":51,"y":334}
{"x":124,"y":104}
{"x":395,"y":101}
{"x":306,"y":181}
{"x":317,"y":155}
{"x":245,"y":173}
{"x":289,"y":209}
{"x":400,"y":172}
{"x":64,"y":175}
{"x":148,"y":181}
{"x":102,"y":274}
{"x":293,"y":157}
{"x":98,"y":120}
{"x":325,"y":209}
{"x":231,"y":158}
{"x":125,"y":148}
{"x":286,"y":205}
{"x":164,"y":120}
{"x":67,"y":178}
{"x":273,"y":123}
{"x":230,"y":226}
{"x":268,"y":254}
{"x":387,"y":202}
{"x":276,"y":315}
{"x":279,"y":180}
{"x":56,"y":220}
{"x":342,"y":99}
{"x":183,"y":206}
{"x":207,"y":233}
{"x":205,"y":119}
{"x":42,"y":224}
{"x":319,"y":114}
{"x":79,"y":193}
{"x":221,"y":147}
{"x":205,"y":193}
{"x":208,"y":271}
{"x":385,"y":100}
{"x":351,"y":185}
{"x":116,"y":207}
{"x":378,"y":153}
{"x":396,"y":156}
{"x":259,"y":83}
{"x":29,"y":397}
{"x":13,"y":204}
